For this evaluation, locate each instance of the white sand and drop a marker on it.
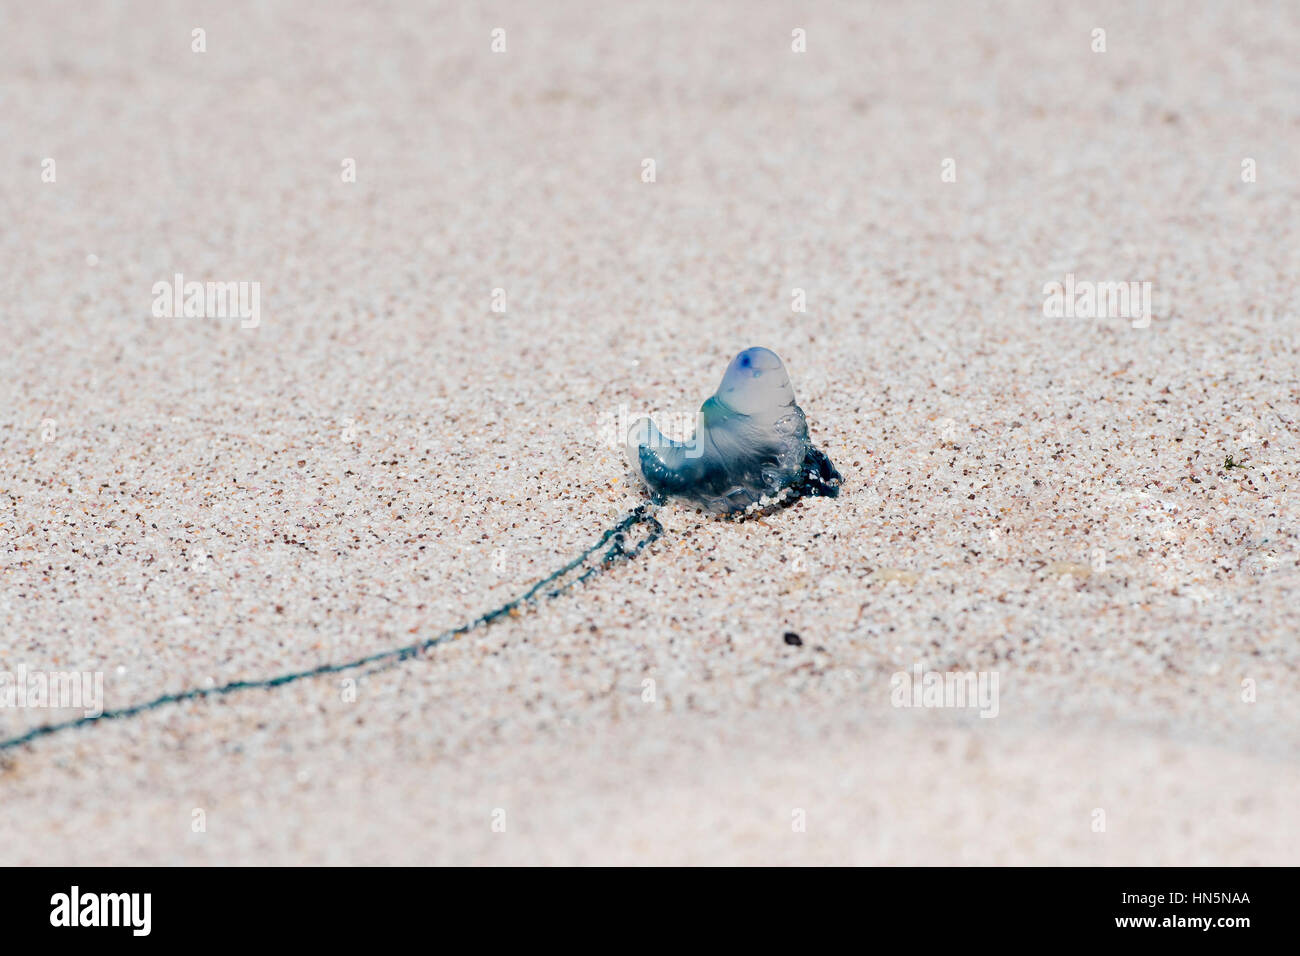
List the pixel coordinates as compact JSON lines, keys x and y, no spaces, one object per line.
{"x":217,"y":503}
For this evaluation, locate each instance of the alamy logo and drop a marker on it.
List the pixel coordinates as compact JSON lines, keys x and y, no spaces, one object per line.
{"x":923,"y":688}
{"x":83,"y":690}
{"x":103,"y":909}
{"x":179,"y":299}
{"x":1082,"y":299}
{"x":621,"y":429}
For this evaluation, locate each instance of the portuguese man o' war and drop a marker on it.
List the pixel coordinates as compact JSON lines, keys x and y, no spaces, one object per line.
{"x":751,"y":442}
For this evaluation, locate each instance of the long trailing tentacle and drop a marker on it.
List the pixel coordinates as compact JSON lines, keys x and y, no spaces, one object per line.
{"x":614,"y":540}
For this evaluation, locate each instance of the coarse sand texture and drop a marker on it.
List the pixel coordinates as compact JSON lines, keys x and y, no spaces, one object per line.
{"x":324,"y":327}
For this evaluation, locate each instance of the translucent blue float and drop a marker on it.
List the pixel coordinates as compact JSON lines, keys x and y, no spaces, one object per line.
{"x":751,"y":443}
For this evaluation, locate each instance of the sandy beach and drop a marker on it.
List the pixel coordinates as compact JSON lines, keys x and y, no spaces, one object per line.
{"x":457,"y":272}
